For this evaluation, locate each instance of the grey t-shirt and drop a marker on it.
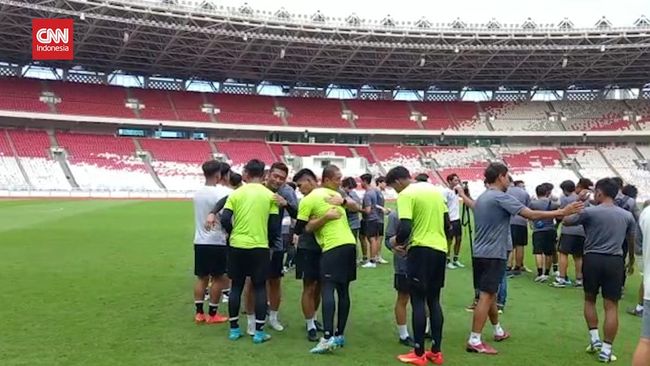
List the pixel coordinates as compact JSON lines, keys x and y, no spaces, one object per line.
{"x":290,"y":195}
{"x":577,"y":230}
{"x":370,"y":200}
{"x":286,"y":223}
{"x":629,"y":204}
{"x":606,"y":226}
{"x":380,"y":202}
{"x":399,"y":262}
{"x":522,"y":196}
{"x":353,"y":217}
{"x":543,"y":204}
{"x":492,"y":212}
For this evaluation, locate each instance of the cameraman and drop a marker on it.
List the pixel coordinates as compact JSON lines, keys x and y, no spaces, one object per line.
{"x":454,"y":234}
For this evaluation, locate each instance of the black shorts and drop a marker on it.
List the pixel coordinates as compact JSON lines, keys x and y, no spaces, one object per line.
{"x":307,"y":264}
{"x":401,"y":283}
{"x":572,"y":244}
{"x":426,"y":269}
{"x":381,"y":228}
{"x":210,"y":260}
{"x":488,"y":273}
{"x":519,"y":235}
{"x":339,"y":264}
{"x":253,"y":263}
{"x":544,"y":242}
{"x":277,"y":265}
{"x":606,"y":272}
{"x":369,"y":228}
{"x":455,"y":231}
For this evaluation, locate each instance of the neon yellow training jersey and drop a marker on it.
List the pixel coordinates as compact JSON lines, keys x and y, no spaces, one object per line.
{"x":251,"y":205}
{"x":334,"y":233}
{"x":425,"y":206}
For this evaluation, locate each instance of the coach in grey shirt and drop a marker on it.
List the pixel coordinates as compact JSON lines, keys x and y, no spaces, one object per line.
{"x":492,"y":211}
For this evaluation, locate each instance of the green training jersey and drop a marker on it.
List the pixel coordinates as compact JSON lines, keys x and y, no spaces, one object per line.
{"x":252,"y":204}
{"x":424,"y":205}
{"x":334,"y":233}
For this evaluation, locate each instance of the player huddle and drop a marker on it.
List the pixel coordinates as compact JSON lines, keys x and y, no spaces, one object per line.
{"x":244,"y":231}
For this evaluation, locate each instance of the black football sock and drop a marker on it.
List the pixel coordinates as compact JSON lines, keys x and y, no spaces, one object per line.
{"x":212,"y":309}
{"x":199,"y":307}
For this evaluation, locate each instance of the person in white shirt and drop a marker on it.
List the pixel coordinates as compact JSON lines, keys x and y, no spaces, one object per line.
{"x":210,"y":242}
{"x":642,"y":353}
{"x":455,"y":233}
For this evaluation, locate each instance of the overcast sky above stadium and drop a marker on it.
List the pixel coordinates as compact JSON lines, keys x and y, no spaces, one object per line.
{"x":583,"y":13}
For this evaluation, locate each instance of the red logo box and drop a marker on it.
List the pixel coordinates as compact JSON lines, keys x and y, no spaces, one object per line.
{"x":52,"y":39}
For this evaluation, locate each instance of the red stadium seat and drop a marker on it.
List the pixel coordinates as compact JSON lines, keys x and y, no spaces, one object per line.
{"x":91,"y":100}
{"x":157,"y":104}
{"x":382,"y":114}
{"x":314,"y":112}
{"x":21,"y":95}
{"x":34,"y":144}
{"x":316,"y":149}
{"x":245,"y":109}
{"x":241,"y":151}
{"x":185,"y":151}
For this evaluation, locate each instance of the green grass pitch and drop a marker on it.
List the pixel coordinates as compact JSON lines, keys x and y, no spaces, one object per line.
{"x":109,"y":283}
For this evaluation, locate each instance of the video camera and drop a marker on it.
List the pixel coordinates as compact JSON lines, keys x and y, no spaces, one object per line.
{"x":465,"y":185}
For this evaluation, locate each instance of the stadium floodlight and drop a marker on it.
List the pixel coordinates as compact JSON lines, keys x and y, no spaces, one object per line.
{"x":82,"y":16}
{"x":565,"y":61}
{"x":282,"y":53}
{"x":125,"y":37}
{"x":245,"y":37}
{"x":422,"y":61}
{"x":602,"y":48}
{"x":456,"y":49}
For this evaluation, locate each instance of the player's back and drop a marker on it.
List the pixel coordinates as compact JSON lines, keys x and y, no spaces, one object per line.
{"x":335,"y":232}
{"x":606,"y":227}
{"x":577,"y":230}
{"x":251,"y":206}
{"x":423,"y":203}
{"x":204,"y":201}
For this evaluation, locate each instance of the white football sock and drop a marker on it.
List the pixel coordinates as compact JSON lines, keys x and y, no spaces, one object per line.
{"x":498,"y":330}
{"x":595,"y":337}
{"x":607,"y":348}
{"x":403,"y":331}
{"x":273,"y":316}
{"x":475,"y":339}
{"x":311,"y":323}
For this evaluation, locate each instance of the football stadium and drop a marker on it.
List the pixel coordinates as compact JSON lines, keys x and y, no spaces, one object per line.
{"x":188,"y":182}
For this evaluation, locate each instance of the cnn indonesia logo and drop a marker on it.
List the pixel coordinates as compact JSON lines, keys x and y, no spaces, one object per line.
{"x":52,"y":39}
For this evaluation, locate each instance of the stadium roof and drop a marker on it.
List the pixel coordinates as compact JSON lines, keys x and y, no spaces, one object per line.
{"x":192,"y":39}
